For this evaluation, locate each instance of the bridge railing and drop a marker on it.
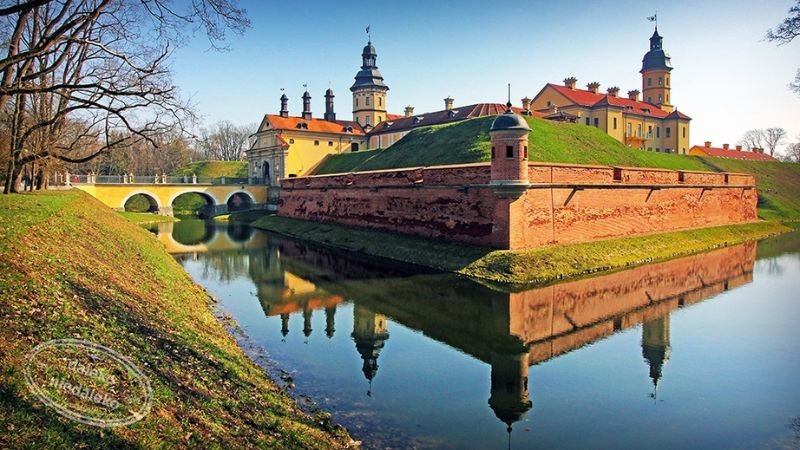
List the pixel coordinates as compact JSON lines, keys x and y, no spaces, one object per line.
{"x":67,"y":179}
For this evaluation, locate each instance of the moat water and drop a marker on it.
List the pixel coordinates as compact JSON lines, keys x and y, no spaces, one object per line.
{"x":698,"y":352}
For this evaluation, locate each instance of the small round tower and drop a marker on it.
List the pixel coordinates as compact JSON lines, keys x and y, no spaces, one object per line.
{"x":509,"y":137}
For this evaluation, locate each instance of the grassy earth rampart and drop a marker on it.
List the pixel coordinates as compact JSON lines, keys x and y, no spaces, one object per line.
{"x":72,"y":268}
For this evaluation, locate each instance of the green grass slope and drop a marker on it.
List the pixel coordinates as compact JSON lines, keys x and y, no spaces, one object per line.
{"x":72,"y":268}
{"x":467,"y":141}
{"x":235,"y":169}
{"x":778,"y":185}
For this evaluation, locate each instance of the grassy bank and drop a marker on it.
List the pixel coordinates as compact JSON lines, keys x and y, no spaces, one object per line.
{"x":145,"y":218}
{"x":69,"y":267}
{"x":235,"y":169}
{"x":520,"y":267}
{"x":467,"y":141}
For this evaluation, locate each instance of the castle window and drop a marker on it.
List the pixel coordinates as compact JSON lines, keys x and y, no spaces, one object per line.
{"x":649,"y":99}
{"x":660,"y":98}
{"x":660,"y":81}
{"x":658,"y":132}
{"x":356,"y":101}
{"x":492,"y":152}
{"x":367,"y":121}
{"x":667,"y":98}
{"x":684,"y":131}
{"x":316,"y":142}
{"x":526,"y":152}
{"x":649,"y":81}
{"x":354,"y":146}
{"x":549,"y":103}
{"x":650,"y":132}
{"x":667,"y":80}
{"x":639,"y":130}
{"x":330,"y":143}
{"x":630,"y":129}
{"x":380,"y":119}
{"x":597,"y":122}
{"x":587,"y":121}
{"x":366,"y":101}
{"x":291,"y":141}
{"x":380,"y":101}
{"x":615,"y":123}
{"x":509,"y":151}
{"x":668,"y":132}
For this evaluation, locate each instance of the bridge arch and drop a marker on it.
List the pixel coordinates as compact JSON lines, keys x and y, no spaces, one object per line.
{"x":239,"y":194}
{"x":155,"y":201}
{"x":205,"y":194}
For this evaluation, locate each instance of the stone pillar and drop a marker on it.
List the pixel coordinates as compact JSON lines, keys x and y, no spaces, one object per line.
{"x":164,"y":178}
{"x":67,"y":181}
{"x":194,"y":178}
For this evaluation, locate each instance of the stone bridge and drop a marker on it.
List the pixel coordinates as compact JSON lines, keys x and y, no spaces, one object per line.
{"x":223,"y":195}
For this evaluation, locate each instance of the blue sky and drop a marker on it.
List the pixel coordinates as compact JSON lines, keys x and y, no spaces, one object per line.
{"x":726,"y":77}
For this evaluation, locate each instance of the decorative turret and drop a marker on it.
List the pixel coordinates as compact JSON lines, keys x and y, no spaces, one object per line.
{"x":284,"y":105}
{"x":656,"y":68}
{"x":306,"y":105}
{"x":330,"y":115}
{"x":509,"y":137}
{"x":448,"y":103}
{"x":369,"y":90}
{"x":409,"y":111}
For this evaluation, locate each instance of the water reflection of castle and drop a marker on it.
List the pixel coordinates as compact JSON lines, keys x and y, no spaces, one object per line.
{"x":509,"y":331}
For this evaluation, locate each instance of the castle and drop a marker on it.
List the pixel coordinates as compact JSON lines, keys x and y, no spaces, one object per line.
{"x":289,"y":146}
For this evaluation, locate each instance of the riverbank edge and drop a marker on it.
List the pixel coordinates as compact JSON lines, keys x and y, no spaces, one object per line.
{"x":514,"y":270}
{"x":68,"y":268}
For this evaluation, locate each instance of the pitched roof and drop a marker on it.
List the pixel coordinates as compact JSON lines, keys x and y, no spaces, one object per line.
{"x":678,"y":115}
{"x":314,"y":125}
{"x":394,"y":116}
{"x":590,"y":99}
{"x":732,"y":153}
{"x":444,"y":116}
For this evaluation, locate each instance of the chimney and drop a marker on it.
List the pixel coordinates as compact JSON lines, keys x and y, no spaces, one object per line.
{"x":284,"y":106}
{"x":754,"y":149}
{"x":633,"y":95}
{"x":330,"y":116}
{"x":526,"y":106}
{"x":593,"y":87}
{"x":613,"y":91}
{"x":306,"y":105}
{"x":570,"y":82}
{"x":409,"y":111}
{"x":448,"y":103}
{"x":738,"y":148}
{"x":707,"y":144}
{"x":726,"y":146}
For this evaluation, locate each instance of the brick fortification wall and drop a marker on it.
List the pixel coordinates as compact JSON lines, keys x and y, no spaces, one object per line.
{"x":563,"y":204}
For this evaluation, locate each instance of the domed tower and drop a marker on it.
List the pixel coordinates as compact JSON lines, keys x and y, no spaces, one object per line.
{"x":369,"y":91}
{"x":656,"y":68}
{"x":655,"y":345}
{"x":509,"y":396}
{"x":509,"y":137}
{"x":369,"y":334}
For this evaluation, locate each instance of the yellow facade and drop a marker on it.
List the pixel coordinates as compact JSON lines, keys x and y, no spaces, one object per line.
{"x":656,"y":88}
{"x":369,"y":106}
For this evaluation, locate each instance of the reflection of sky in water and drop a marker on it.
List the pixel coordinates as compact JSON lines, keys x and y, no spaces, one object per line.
{"x":725,"y":361}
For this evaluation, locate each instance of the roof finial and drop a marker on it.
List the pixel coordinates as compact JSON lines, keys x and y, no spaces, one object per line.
{"x":654,"y":18}
{"x":508,"y":103}
{"x":369,"y":35}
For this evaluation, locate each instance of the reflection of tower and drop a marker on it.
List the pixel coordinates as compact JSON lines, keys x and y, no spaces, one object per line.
{"x":509,"y":398}
{"x":284,"y":324}
{"x":330,"y":317}
{"x":307,"y":322}
{"x":655,"y":345}
{"x":369,"y":334}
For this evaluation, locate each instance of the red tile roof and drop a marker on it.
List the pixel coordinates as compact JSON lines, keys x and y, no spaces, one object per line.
{"x":314,"y":125}
{"x":394,"y":116}
{"x":444,"y":116}
{"x":731,"y":153}
{"x":590,"y":99}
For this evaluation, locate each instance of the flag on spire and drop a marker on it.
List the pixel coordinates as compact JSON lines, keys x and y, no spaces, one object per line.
{"x":651,"y":18}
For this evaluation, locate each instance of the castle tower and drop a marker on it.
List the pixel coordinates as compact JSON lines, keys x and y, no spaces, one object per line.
{"x":509,"y":386}
{"x":509,"y":136}
{"x":655,"y":345}
{"x":306,"y":105}
{"x":284,"y":105}
{"x":369,"y":334}
{"x":330,"y":321}
{"x":656,"y":68}
{"x":330,"y":115}
{"x":369,"y":91}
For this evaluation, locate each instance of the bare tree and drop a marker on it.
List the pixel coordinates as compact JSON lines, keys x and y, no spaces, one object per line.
{"x":79,"y":78}
{"x":785,"y":32}
{"x":773,"y":137}
{"x":754,"y":138}
{"x":793,"y":151}
{"x":225,"y":141}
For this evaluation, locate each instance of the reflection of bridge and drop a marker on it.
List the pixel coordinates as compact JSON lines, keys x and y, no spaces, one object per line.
{"x":509,"y":331}
{"x":214,"y":237}
{"x":221,"y":198}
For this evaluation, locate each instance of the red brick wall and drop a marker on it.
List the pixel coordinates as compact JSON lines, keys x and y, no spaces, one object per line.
{"x":455,"y":202}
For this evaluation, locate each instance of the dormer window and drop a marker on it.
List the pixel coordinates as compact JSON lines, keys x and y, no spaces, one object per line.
{"x":389,"y":124}
{"x":419,"y":119}
{"x":453,"y":113}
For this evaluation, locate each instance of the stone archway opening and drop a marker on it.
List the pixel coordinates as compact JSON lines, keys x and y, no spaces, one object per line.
{"x":240,"y":201}
{"x":191,"y":204}
{"x":266,"y":173}
{"x":141,"y":202}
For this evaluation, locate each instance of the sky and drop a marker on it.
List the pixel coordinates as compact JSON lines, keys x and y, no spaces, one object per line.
{"x":726,"y":76}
